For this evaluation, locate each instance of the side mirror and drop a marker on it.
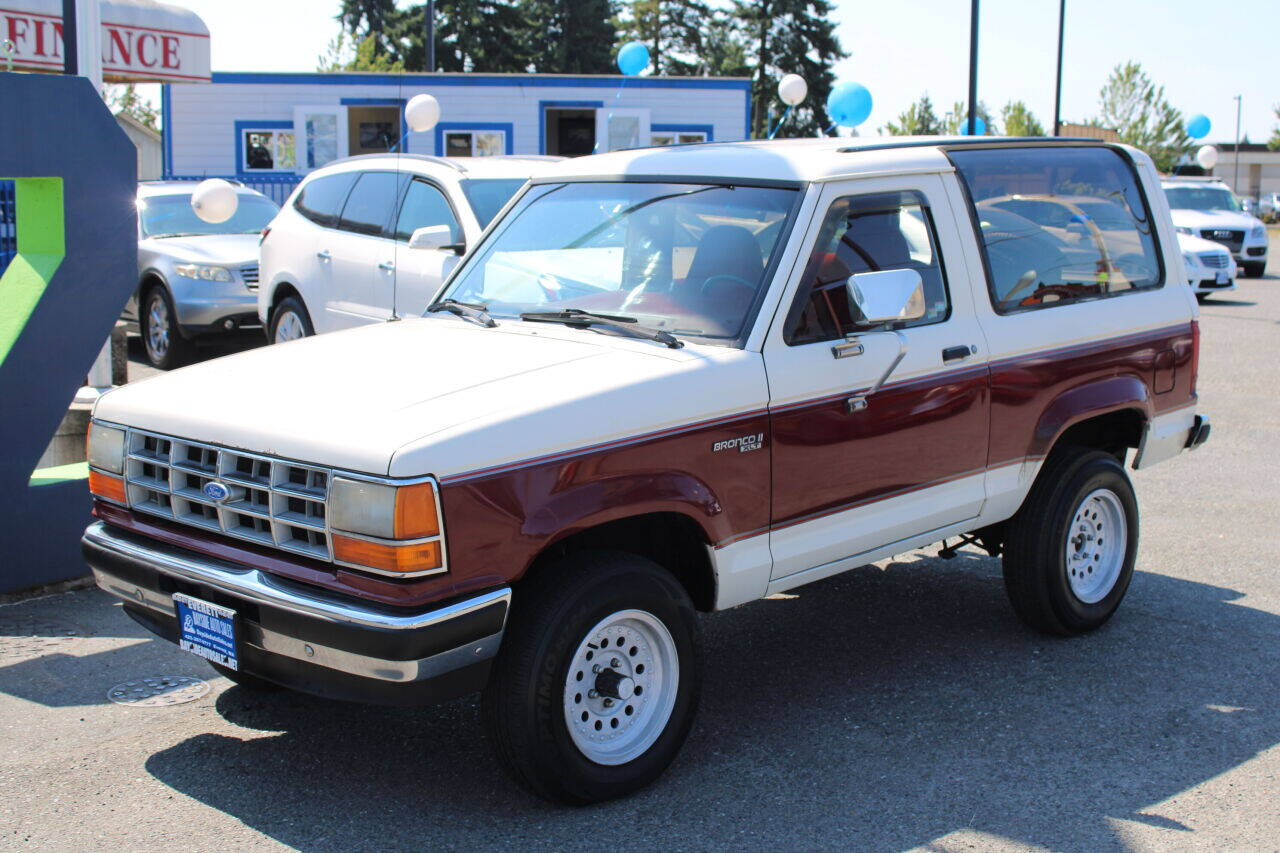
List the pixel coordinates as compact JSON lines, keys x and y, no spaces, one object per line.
{"x":435,"y":237}
{"x":889,"y":296}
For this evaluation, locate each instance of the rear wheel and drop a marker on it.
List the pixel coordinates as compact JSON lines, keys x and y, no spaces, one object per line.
{"x":1070,"y":550}
{"x":158,"y":325}
{"x":597,"y":682}
{"x":290,"y":321}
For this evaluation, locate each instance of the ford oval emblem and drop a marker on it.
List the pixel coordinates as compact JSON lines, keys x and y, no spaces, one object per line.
{"x":216,"y":491}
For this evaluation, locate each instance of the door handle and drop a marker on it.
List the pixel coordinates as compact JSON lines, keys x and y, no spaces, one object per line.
{"x":324,"y":255}
{"x":386,"y":266}
{"x":960,"y":353}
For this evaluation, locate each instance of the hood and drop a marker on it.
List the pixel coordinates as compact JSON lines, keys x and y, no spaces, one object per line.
{"x":1191,"y":243}
{"x":207,"y":248}
{"x":353,"y":399}
{"x":1226,"y":219}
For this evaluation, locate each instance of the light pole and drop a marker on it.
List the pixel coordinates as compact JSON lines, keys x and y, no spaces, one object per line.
{"x":1057,"y":92}
{"x":1235,"y":181}
{"x":973,"y":69}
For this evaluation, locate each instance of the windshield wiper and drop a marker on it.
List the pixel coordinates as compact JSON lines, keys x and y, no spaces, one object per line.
{"x":466,"y":310}
{"x":586,"y":319}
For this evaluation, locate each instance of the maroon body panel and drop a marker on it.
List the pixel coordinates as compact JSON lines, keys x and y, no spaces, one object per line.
{"x":912,"y":434}
{"x":1035,"y":398}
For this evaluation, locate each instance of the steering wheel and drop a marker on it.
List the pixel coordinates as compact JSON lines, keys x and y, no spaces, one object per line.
{"x":731,"y":279}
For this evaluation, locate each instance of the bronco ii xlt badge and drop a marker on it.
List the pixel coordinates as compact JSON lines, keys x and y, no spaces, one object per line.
{"x":744,"y":443}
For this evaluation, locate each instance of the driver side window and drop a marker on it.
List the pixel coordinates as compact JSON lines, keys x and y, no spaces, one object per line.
{"x":869,"y":233}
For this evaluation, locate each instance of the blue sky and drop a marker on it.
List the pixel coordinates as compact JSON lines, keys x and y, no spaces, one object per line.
{"x":902,"y":48}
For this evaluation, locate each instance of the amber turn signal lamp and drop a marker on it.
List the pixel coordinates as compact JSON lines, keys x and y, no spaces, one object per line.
{"x":416,"y":512}
{"x":407,"y":559}
{"x":106,"y":486}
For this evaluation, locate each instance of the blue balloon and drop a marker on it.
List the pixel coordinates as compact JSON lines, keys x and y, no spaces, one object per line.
{"x":849,"y":104}
{"x":633,"y":58}
{"x":1198,"y":126}
{"x":979,"y":126}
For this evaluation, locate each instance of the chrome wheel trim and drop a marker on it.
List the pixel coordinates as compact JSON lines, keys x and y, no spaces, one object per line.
{"x":1097,"y":540}
{"x":157,"y":337}
{"x":638,"y":648}
{"x":289,"y":328}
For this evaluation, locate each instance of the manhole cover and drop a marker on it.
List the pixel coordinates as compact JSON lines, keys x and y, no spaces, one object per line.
{"x":155,"y":692}
{"x":26,"y":636}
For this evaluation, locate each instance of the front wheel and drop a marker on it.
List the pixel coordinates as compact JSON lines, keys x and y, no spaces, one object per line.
{"x":290,"y":321}
{"x":597,"y":682}
{"x":1070,"y":550}
{"x":158,"y":325}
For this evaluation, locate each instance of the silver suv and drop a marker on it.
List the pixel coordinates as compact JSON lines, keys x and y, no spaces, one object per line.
{"x":195,"y":278}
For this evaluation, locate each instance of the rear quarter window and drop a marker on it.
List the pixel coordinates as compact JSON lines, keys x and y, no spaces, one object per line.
{"x":321,"y":199}
{"x":1059,"y":225}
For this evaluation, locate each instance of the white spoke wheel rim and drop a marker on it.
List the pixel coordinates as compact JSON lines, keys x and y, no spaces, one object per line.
{"x":157,"y":326}
{"x":289,"y":328}
{"x":640,"y":653}
{"x":1097,"y":540}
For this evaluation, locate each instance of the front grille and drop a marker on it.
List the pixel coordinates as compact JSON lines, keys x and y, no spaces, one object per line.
{"x":250,"y":276}
{"x":273,"y":502}
{"x":1231,"y":239}
{"x":1214,"y":260}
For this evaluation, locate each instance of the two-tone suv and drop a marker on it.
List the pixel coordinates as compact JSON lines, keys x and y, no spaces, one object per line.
{"x":666,"y":381}
{"x":371,"y":238}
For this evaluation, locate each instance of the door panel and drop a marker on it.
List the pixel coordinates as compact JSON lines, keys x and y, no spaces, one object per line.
{"x":847,"y":479}
{"x":420,"y":272}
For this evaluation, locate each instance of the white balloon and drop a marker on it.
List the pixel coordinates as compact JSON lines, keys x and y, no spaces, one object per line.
{"x":1207,"y":157}
{"x":792,"y":89}
{"x":214,"y":200}
{"x":422,"y":112}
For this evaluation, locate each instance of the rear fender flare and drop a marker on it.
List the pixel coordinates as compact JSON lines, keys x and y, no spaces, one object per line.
{"x":1086,"y":401}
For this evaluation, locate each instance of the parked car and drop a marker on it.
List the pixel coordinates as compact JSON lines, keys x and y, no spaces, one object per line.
{"x":369,"y":238}
{"x":1210,"y":267}
{"x":1269,"y":207}
{"x":1208,"y":209}
{"x":664,"y":381}
{"x":196,"y":279}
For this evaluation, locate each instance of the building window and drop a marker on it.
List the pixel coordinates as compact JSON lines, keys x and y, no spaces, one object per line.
{"x":684,"y":137}
{"x":267,"y":151}
{"x":475,"y":143}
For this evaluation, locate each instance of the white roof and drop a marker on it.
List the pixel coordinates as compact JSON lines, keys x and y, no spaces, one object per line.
{"x":502,"y":166}
{"x":794,"y":160}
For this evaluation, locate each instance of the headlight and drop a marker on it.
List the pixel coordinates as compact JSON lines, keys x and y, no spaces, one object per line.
{"x":394,"y":529}
{"x":105,"y":452}
{"x":206,"y":273}
{"x":1182,"y":229}
{"x":1258,"y":233}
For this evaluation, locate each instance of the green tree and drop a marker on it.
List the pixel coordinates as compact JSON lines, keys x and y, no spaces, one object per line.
{"x":371,"y":19}
{"x":957,"y":121}
{"x":1136,"y":108}
{"x":789,"y":37}
{"x":569,"y":36}
{"x":674,"y":31}
{"x":1274,"y":142}
{"x":487,"y":36}
{"x":1020,"y":121}
{"x":125,"y":99}
{"x":919,"y":119}
{"x":346,"y":53}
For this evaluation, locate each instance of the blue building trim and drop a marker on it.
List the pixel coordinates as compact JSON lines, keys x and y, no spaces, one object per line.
{"x":261,"y":124}
{"x":542,"y":116}
{"x":166,"y":128}
{"x":445,"y":126}
{"x":708,"y":129}
{"x":526,"y":80}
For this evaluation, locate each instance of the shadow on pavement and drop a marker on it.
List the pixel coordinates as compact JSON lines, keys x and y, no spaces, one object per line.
{"x":875,"y":711}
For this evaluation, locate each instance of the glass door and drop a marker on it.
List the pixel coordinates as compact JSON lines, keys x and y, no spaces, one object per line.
{"x":320,"y":135}
{"x":617,"y":129}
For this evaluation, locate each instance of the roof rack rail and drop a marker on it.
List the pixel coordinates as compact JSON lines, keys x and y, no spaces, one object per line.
{"x":992,"y":141}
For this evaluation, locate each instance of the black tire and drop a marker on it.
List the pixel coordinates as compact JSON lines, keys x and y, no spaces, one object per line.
{"x":289,"y":305}
{"x":1255,"y":269}
{"x":162,"y":339}
{"x":1036,"y":540}
{"x":526,"y":701}
{"x":246,"y":680}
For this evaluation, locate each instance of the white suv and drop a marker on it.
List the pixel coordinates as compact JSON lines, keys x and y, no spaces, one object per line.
{"x":1208,"y":209}
{"x":371,"y":238}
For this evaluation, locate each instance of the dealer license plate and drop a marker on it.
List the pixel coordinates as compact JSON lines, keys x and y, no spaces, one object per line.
{"x":1223,"y":278}
{"x":208,"y":630}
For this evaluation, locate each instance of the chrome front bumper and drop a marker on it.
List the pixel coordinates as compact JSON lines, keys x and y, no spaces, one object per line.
{"x":303,"y":637}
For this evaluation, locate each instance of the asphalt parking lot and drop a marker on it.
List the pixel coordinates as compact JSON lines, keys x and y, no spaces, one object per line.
{"x":897,"y":706}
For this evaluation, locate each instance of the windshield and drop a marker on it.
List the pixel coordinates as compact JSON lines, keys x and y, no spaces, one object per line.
{"x":487,"y":197}
{"x":1202,"y":198}
{"x":689,"y":259}
{"x":171,"y":215}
